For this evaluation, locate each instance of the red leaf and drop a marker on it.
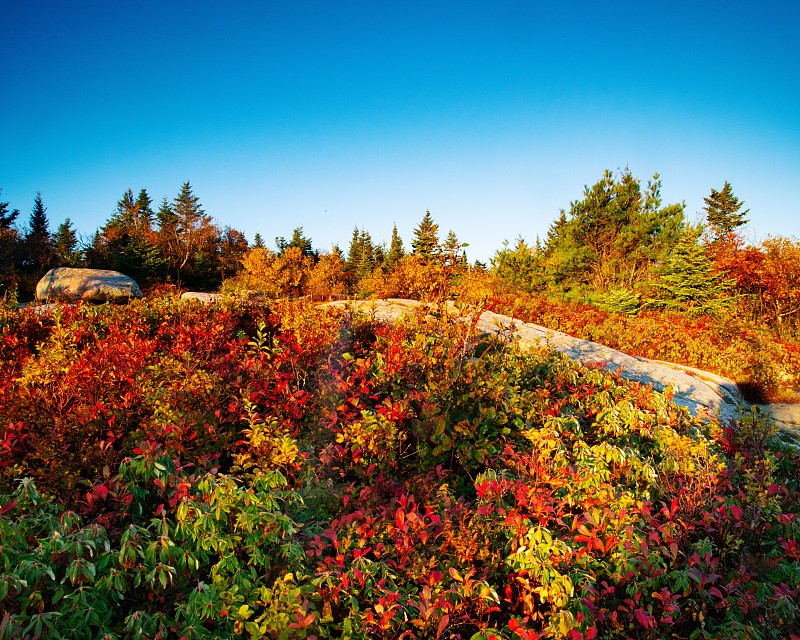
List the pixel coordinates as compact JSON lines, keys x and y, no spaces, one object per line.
{"x":641,"y":616}
{"x":737,"y":512}
{"x":102,"y":491}
{"x":8,"y":506}
{"x":442,"y":625}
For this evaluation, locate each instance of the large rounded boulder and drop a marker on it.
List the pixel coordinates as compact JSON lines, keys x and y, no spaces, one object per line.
{"x":92,"y":285}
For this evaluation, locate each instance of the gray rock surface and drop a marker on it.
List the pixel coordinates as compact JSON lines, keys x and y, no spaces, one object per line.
{"x":93,"y":285}
{"x":206,"y":298}
{"x":703,"y":393}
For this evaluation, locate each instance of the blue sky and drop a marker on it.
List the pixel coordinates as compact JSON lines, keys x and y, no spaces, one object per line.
{"x":330,"y":115}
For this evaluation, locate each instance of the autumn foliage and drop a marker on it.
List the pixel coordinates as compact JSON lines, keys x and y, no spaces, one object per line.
{"x":177,"y":471}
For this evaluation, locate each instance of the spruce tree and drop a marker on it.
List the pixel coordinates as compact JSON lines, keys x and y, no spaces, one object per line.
{"x":7,"y":218}
{"x":396,"y":251}
{"x":188,"y":240}
{"x":258,"y":242}
{"x":366,"y":253}
{"x":165,"y":216}
{"x":379,"y":255}
{"x":9,"y":244}
{"x":687,"y":282}
{"x":125,"y":213}
{"x":723,"y":211}
{"x":300,"y":241}
{"x":145,"y":209}
{"x":194,"y":241}
{"x":354,"y":251}
{"x":38,"y":240}
{"x":187,"y":208}
{"x":452,"y":249}
{"x":65,"y":245}
{"x":426,"y":240}
{"x":518,"y":266}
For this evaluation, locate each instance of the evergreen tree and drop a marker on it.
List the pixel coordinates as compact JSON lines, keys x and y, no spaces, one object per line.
{"x":144,"y":206}
{"x":614,"y":236}
{"x":187,"y":208}
{"x":687,"y":282}
{"x":38,"y":240}
{"x":452,"y":250}
{"x":258,"y":242}
{"x":127,"y":242}
{"x":379,"y":255}
{"x":165,"y":216}
{"x":193,"y":241}
{"x":133,"y":215}
{"x":426,"y":240}
{"x":188,"y":240}
{"x":301,"y":242}
{"x":65,"y":245}
{"x":366,"y":253}
{"x":723,"y":211}
{"x":354,"y":252}
{"x":125,"y":213}
{"x":396,"y":251}
{"x":361,"y":257}
{"x":518,"y":266}
{"x":7,"y":218}
{"x":9,"y":245}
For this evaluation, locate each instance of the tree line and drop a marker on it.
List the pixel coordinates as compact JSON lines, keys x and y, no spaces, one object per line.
{"x":619,"y":246}
{"x":177,"y":242}
{"x":622,"y":248}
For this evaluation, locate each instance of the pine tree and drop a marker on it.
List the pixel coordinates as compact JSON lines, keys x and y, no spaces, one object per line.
{"x":144,"y":206}
{"x":38,"y":240}
{"x":258,"y":242}
{"x":188,"y":239}
{"x":7,"y":218}
{"x":452,"y":250}
{"x":379,"y":255}
{"x":613,"y":236}
{"x":354,"y":252}
{"x":301,"y":242}
{"x":195,"y":241}
{"x":127,"y":242}
{"x":396,"y":251}
{"x":9,"y":244}
{"x":187,"y":208}
{"x":366,"y":252}
{"x":125,"y":213}
{"x":518,"y":266}
{"x":723,"y":211}
{"x":165,"y":216}
{"x":65,"y":244}
{"x":426,"y":240}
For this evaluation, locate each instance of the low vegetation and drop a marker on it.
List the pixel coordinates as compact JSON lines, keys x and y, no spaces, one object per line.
{"x":178,"y":471}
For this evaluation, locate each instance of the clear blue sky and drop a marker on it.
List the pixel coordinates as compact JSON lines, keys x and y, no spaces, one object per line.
{"x":493,"y":115}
